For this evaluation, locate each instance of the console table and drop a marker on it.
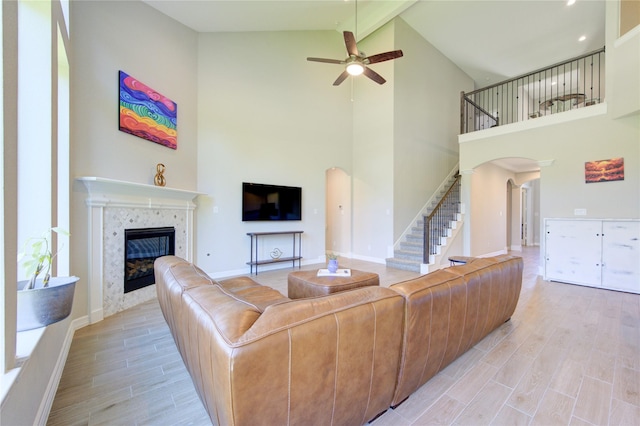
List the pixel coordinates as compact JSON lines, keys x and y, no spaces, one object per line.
{"x":255,"y":236}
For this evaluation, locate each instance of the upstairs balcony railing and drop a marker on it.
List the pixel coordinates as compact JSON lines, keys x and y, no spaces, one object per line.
{"x":576,"y":83}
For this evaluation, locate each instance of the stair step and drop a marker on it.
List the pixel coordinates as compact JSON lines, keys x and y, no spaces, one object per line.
{"x":403,"y":264}
{"x":410,"y":254}
{"x":414,"y":238}
{"x":415,"y":256}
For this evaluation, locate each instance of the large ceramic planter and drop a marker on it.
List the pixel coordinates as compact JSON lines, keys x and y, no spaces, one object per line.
{"x":42,"y":306}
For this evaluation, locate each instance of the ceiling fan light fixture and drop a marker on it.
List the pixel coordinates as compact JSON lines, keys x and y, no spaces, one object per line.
{"x":357,"y":62}
{"x":355,"y":68}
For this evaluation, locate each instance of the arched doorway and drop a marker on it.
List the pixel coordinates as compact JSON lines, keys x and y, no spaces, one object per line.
{"x":492,"y":193}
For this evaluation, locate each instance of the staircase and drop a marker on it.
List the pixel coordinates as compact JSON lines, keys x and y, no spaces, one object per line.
{"x":444,"y":215}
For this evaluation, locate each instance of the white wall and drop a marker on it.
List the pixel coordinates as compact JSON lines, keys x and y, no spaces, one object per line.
{"x":405,"y":136}
{"x":566,"y":146}
{"x":130,"y":36}
{"x":623,"y":64}
{"x":426,"y":122}
{"x":373,"y":123}
{"x":487,"y":216}
{"x":281,"y":121}
{"x":266,"y":115}
{"x":569,"y":145}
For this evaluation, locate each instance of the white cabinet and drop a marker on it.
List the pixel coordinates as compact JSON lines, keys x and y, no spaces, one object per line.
{"x":598,"y":253}
{"x":621,"y":255}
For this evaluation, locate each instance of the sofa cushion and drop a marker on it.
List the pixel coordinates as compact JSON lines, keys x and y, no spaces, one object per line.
{"x":236,"y":284}
{"x":246,"y":289}
{"x":229,"y":314}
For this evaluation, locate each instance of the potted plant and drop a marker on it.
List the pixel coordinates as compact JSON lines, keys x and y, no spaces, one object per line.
{"x":332,"y":265}
{"x":46,"y":300}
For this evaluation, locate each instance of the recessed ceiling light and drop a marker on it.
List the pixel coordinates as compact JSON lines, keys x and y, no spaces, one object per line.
{"x":582,"y":38}
{"x":570,"y":2}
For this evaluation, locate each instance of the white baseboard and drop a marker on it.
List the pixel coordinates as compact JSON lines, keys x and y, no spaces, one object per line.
{"x":52,"y":387}
{"x":370,"y":259}
{"x":492,"y":254}
{"x":95,"y":316}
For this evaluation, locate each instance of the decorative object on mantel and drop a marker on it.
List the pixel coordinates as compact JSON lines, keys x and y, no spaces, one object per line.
{"x":41,"y":302}
{"x":146,"y":113}
{"x":276,"y":253}
{"x":159,"y":179}
{"x":604,"y":170}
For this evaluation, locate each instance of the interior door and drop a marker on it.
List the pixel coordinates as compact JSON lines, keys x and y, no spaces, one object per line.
{"x":524,"y":232}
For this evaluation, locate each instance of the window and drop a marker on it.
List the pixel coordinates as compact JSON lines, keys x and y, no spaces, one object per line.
{"x":36,"y":119}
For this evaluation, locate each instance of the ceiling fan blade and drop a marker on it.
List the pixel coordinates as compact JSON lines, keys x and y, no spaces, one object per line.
{"x":328,"y":61}
{"x":373,"y":75}
{"x":341,"y":78}
{"x":350,"y":42}
{"x":386,"y":56}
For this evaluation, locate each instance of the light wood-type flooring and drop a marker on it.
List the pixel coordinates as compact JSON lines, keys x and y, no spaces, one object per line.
{"x":569,"y":356}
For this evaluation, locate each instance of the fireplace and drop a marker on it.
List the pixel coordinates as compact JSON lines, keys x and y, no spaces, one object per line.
{"x":141,"y":248}
{"x":114,"y":206}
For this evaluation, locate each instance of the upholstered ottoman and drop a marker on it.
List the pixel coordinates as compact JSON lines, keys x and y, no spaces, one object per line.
{"x":308,"y":284}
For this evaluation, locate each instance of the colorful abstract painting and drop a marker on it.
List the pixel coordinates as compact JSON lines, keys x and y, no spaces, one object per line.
{"x":604,"y":170}
{"x":146,"y":113}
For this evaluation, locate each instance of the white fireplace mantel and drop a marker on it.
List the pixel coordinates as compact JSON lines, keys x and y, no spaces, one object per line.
{"x":122,"y":193}
{"x":112,"y":206}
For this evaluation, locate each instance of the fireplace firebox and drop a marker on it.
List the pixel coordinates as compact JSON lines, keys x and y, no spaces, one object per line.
{"x":141,"y":248}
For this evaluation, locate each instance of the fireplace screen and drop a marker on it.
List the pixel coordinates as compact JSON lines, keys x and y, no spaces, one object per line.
{"x":141,"y":248}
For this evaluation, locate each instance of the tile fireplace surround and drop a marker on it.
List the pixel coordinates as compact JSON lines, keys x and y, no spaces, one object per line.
{"x":114,"y":206}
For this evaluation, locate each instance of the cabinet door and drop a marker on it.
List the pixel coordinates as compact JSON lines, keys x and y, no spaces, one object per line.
{"x":573,"y":251}
{"x":621,"y":255}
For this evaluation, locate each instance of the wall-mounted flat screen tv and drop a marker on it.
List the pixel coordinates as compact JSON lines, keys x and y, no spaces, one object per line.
{"x":270,"y":202}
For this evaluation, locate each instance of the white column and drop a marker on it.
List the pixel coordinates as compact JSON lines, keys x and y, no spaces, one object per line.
{"x":94,"y":281}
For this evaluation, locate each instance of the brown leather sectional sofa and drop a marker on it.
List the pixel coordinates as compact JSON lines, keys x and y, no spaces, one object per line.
{"x":258,"y":357}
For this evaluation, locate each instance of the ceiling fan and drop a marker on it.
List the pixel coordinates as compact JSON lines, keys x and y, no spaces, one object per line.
{"x":357,"y":61}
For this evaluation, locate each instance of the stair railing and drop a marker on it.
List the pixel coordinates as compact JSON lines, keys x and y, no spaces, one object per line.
{"x":437,"y":222}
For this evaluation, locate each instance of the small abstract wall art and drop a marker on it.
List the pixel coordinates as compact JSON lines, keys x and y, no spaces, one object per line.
{"x":146,"y":113}
{"x":604,"y":170}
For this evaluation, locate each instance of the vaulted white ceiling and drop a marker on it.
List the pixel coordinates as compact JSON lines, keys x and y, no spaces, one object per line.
{"x":490,"y":40}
